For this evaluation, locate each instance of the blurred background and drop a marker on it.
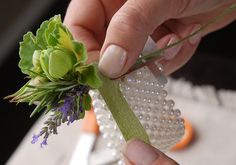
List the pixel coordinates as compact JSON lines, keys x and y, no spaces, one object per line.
{"x":213,"y":64}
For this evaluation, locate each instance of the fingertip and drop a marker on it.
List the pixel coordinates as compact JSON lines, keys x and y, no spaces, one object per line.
{"x":197,"y":37}
{"x":169,"y":40}
{"x":183,"y":54}
{"x":138,"y":152}
{"x":180,"y":59}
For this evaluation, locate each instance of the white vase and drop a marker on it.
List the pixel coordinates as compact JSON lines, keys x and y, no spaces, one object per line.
{"x":145,"y":94}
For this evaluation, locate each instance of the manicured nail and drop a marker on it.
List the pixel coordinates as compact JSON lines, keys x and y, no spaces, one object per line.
{"x":170,"y":53}
{"x":149,"y":46}
{"x":139,"y":152}
{"x":112,"y":61}
{"x":196,"y":38}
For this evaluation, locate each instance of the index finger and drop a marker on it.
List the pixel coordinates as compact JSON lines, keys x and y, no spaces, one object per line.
{"x":86,"y":20}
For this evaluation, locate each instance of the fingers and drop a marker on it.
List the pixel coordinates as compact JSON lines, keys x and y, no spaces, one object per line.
{"x":177,"y":56}
{"x":127,"y":33}
{"x":135,"y":21}
{"x":139,"y":153}
{"x":122,"y":41}
{"x":167,"y":40}
{"x":88,"y":19}
{"x":83,"y":21}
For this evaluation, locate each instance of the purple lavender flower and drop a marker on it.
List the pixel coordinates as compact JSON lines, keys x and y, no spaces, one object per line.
{"x":35,"y":138}
{"x":67,"y":106}
{"x":44,"y":142}
{"x":72,"y":118}
{"x":69,"y":111}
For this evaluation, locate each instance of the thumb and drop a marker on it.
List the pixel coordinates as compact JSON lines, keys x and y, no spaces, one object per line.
{"x":139,"y":153}
{"x":127,"y":33}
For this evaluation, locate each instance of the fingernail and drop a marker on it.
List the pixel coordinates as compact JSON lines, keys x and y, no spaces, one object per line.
{"x":170,"y":53}
{"x":139,"y":152}
{"x":112,"y":61}
{"x":196,"y":38}
{"x":149,"y":46}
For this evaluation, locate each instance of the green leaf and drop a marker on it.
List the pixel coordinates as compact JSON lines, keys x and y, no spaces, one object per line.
{"x":27,"y":48}
{"x":81,"y":115}
{"x":20,"y":92}
{"x":37,"y":97}
{"x":40,"y":35}
{"x":50,"y":31}
{"x":86,"y":102}
{"x":125,"y":118}
{"x":80,"y":51}
{"x":41,"y":32}
{"x":58,"y":35}
{"x":89,"y":76}
{"x":40,"y":106}
{"x":65,"y":37}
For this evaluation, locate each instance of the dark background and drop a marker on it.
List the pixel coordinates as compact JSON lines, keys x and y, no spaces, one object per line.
{"x":214,"y":63}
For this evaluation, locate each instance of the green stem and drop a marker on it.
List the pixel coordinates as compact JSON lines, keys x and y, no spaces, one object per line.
{"x":157,"y":53}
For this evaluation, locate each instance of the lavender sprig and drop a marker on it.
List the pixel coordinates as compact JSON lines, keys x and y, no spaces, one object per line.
{"x":67,"y":110}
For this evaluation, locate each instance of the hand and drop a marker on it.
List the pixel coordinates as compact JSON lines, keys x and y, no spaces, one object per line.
{"x":137,"y":152}
{"x":118,"y":29}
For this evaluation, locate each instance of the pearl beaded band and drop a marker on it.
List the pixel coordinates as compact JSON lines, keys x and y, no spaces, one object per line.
{"x":146,"y":96}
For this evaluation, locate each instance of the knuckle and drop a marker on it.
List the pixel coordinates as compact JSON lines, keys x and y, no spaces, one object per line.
{"x":132,"y":19}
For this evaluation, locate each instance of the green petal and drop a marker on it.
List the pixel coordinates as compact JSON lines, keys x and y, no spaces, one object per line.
{"x":27,"y":48}
{"x":88,"y":76}
{"x":80,"y":51}
{"x":59,"y":64}
{"x":50,"y":31}
{"x":41,"y":32}
{"x":86,"y":102}
{"x":65,"y":37}
{"x":36,"y":58}
{"x":58,"y":35}
{"x":44,"y":62}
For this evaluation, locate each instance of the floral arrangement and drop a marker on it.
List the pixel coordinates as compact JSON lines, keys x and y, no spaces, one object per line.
{"x":59,"y":76}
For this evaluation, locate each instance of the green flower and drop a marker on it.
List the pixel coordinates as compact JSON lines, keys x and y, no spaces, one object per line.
{"x":52,"y":52}
{"x":59,"y":77}
{"x":56,"y":65}
{"x":56,"y":62}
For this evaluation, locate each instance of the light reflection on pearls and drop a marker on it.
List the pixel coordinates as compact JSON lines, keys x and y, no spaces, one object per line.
{"x":147,"y":98}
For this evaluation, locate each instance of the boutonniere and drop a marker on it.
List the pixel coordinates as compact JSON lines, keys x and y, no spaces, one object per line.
{"x":59,"y":77}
